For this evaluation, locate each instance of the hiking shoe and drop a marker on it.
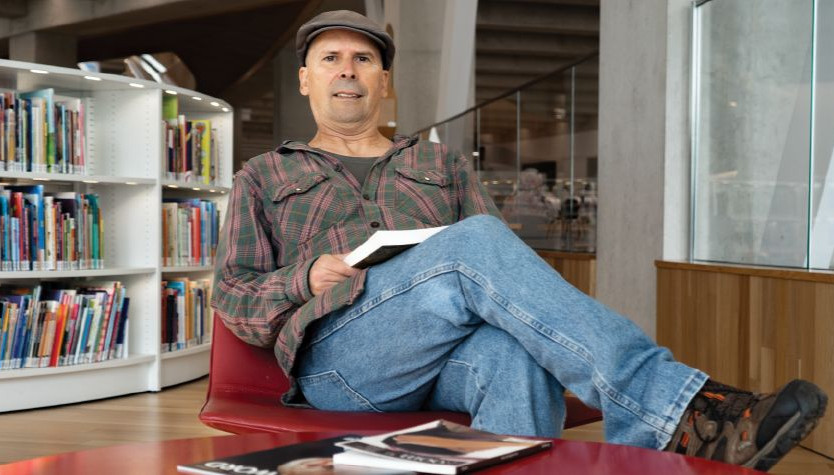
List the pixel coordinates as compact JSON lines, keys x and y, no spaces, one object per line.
{"x":754,"y":430}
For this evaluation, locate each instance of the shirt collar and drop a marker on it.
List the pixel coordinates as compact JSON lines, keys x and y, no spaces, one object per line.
{"x":400,"y":142}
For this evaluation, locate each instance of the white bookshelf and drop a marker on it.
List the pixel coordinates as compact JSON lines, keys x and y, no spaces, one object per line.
{"x":125,"y":167}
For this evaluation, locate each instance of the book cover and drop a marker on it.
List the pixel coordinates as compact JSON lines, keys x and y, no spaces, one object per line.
{"x":203,"y":149}
{"x":308,"y":458}
{"x":383,"y":245}
{"x":121,"y":336}
{"x":436,"y":447}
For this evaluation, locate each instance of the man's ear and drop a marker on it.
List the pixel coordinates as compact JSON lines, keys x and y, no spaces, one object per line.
{"x":386,"y":76}
{"x":303,"y":85}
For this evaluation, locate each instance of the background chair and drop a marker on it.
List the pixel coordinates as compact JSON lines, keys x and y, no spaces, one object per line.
{"x":245,"y":383}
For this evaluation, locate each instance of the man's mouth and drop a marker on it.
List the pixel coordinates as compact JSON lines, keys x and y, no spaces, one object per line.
{"x":347,"y":95}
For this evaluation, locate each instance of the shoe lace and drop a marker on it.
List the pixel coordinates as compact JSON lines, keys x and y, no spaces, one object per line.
{"x":720,"y":403}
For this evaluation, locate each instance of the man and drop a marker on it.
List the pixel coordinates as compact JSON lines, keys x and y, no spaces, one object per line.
{"x":471,"y":320}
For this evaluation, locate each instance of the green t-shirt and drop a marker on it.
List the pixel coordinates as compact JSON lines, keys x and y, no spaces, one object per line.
{"x":358,"y":166}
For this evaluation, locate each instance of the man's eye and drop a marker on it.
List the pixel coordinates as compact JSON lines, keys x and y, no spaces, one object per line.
{"x":330,"y":58}
{"x":363,"y":59}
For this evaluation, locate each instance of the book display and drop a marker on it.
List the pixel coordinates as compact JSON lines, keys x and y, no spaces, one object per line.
{"x":189,"y":232}
{"x":191,"y":153}
{"x":49,"y":327}
{"x":304,"y":458}
{"x":185,"y":314}
{"x":436,"y":447}
{"x":102,"y":217}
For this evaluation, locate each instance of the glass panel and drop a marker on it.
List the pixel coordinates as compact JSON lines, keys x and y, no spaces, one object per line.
{"x":498,"y":152}
{"x":541,"y":206}
{"x":753,"y":132}
{"x":585,"y":126}
{"x":822,"y":211}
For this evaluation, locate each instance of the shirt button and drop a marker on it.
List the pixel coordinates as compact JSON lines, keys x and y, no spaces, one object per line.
{"x":374,"y":224}
{"x":428,"y":179}
{"x":366,"y":196}
{"x":298,"y":189}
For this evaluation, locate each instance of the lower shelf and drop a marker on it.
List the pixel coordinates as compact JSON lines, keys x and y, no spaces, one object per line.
{"x":40,"y":387}
{"x":184,"y":365}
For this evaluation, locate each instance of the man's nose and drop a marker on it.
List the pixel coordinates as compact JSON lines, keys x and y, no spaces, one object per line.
{"x":348,"y":71}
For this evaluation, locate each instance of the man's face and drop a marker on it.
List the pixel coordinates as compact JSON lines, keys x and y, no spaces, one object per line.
{"x":344,"y":79}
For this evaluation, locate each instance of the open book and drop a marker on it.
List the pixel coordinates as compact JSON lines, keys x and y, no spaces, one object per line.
{"x":437,"y":447}
{"x":383,"y":245}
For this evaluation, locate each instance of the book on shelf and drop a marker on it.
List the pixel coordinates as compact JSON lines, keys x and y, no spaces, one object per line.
{"x":190,"y":152}
{"x":186,"y":314}
{"x":383,"y":245}
{"x":307,"y":457}
{"x":48,"y":325}
{"x":60,"y":231}
{"x":42,"y":132}
{"x":189,"y":232}
{"x":436,"y":447}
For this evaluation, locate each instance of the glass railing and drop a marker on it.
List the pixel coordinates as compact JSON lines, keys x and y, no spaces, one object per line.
{"x":763,"y":96}
{"x":535,"y":151}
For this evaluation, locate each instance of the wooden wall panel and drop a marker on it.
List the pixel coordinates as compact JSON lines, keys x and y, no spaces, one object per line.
{"x":753,"y":329}
{"x":704,"y":319}
{"x":577,"y":268}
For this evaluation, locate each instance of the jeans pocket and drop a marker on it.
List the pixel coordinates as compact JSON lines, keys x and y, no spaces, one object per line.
{"x":329,"y":391}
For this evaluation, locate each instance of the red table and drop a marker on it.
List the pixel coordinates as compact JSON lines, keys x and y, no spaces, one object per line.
{"x":566,"y":457}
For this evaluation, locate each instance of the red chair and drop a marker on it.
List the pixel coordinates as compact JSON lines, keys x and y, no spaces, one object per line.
{"x":245,"y":383}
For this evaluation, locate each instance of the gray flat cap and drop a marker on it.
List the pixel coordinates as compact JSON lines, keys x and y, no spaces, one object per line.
{"x":344,"y":20}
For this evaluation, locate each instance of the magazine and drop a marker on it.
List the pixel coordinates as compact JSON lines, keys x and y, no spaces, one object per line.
{"x":437,"y":447}
{"x":383,"y":245}
{"x":307,"y":458}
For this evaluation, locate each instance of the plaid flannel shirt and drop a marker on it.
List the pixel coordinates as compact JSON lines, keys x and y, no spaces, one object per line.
{"x":291,"y":205}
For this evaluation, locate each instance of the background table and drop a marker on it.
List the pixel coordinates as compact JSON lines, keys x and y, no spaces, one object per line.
{"x":566,"y":457}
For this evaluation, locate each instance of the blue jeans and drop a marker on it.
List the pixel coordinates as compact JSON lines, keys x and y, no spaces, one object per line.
{"x":472,"y":320}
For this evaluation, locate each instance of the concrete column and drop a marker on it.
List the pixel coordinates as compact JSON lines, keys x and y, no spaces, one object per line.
{"x":45,"y":48}
{"x":643,"y":150}
{"x":457,"y":59}
{"x":433,"y":70}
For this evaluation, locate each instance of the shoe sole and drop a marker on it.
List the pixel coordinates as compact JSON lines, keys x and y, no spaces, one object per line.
{"x":812,"y":402}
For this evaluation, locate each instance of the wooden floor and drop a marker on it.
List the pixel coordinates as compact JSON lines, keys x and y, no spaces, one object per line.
{"x":172,"y":414}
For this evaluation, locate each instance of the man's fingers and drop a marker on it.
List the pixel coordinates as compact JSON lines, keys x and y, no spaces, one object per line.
{"x":335,"y":263}
{"x":327,"y":271}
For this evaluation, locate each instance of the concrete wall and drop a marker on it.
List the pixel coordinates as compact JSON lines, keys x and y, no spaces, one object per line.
{"x":643,"y":150}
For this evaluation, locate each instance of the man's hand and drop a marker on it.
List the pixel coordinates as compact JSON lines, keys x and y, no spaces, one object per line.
{"x":327,"y":271}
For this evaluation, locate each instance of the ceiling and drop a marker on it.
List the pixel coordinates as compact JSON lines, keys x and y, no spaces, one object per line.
{"x":221,"y":46}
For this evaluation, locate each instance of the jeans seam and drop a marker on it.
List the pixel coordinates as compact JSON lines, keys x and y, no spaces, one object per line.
{"x":604,"y":387}
{"x":685,"y":395}
{"x":471,"y":369}
{"x":334,"y":376}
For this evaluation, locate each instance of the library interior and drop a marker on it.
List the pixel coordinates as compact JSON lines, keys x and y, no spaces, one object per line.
{"x":181,"y":180}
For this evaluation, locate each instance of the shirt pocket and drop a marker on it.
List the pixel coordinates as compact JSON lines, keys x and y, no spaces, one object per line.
{"x":425,"y":195}
{"x":305,"y":206}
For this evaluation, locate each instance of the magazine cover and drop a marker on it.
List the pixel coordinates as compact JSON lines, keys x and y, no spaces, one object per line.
{"x":307,"y":458}
{"x":437,"y":447}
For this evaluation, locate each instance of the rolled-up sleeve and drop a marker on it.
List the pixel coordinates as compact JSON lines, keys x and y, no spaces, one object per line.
{"x":252,"y":295}
{"x":472,"y":196}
